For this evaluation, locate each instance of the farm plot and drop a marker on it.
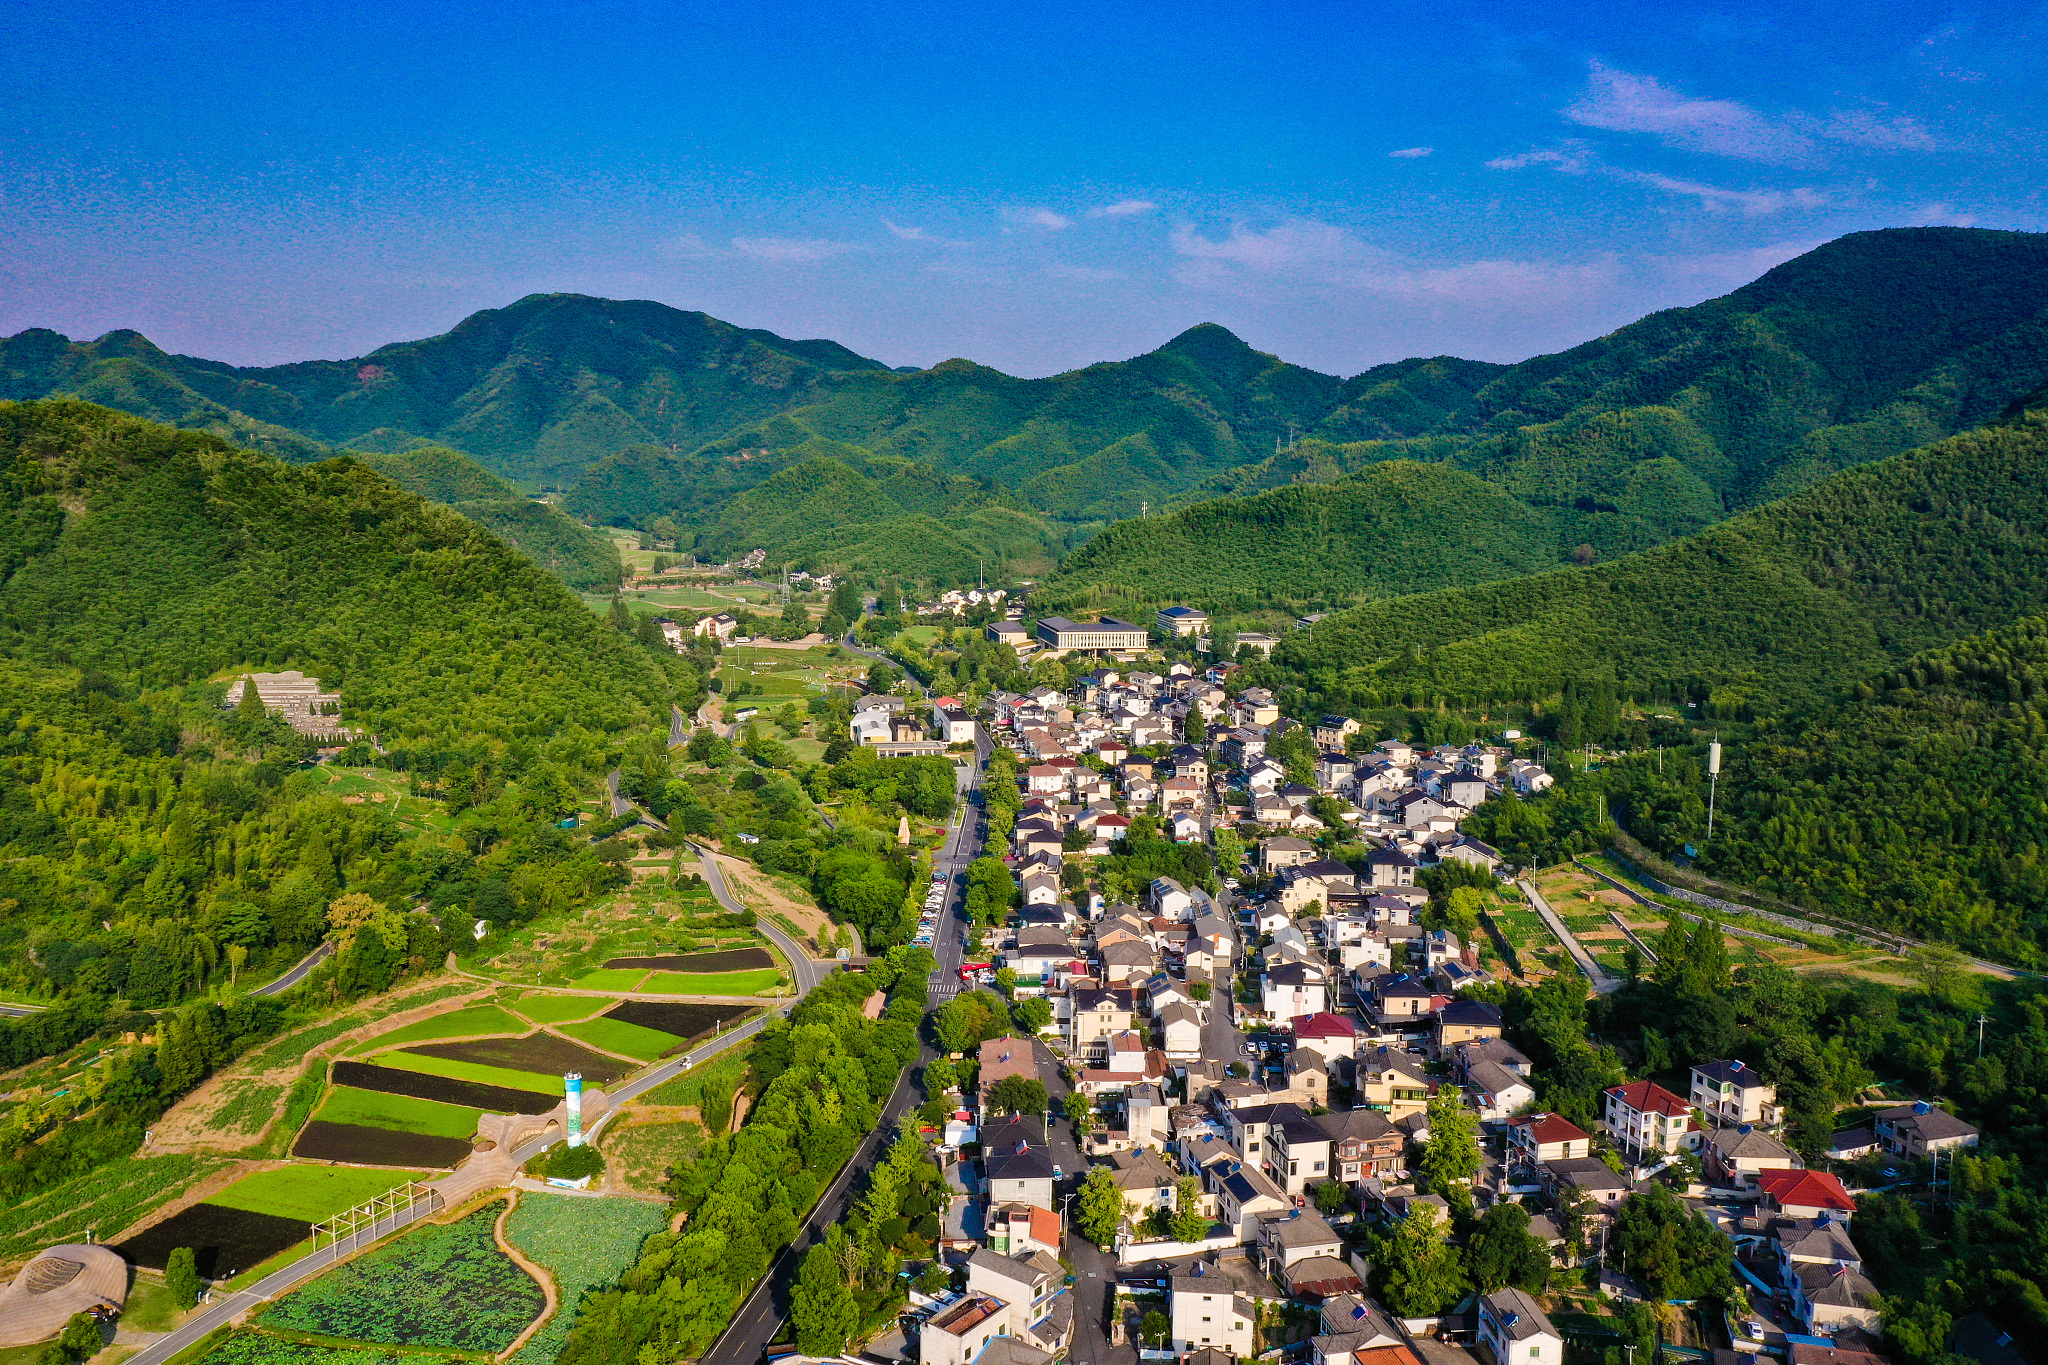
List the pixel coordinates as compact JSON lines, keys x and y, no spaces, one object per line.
{"x":731,"y":960}
{"x":251,"y":1346}
{"x":680,"y":1018}
{"x":495,"y":1099}
{"x":543,"y":1054}
{"x":400,"y":1113}
{"x":361,"y":1146}
{"x":450,"y":1069}
{"x":720,"y":983}
{"x":445,"y":1286}
{"x":610,"y":979}
{"x":628,"y":1040}
{"x":106,"y":1202}
{"x":224,"y":1241}
{"x":472,"y":1022}
{"x":585,"y":1244}
{"x":557,"y":1009}
{"x":309,"y":1192}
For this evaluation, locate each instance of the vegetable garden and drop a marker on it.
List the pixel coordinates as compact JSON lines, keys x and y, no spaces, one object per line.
{"x":445,"y":1286}
{"x":224,"y":1241}
{"x":585,"y":1244}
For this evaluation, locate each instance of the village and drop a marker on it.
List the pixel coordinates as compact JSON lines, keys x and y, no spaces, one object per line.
{"x":1231,"y":1096}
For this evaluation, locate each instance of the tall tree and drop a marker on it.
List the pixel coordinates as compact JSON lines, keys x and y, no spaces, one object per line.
{"x":1501,"y":1251}
{"x":1101,"y":1207}
{"x":1419,"y":1270}
{"x":821,"y":1307}
{"x":1452,"y":1156}
{"x":181,"y":1278}
{"x":1189,"y":1222}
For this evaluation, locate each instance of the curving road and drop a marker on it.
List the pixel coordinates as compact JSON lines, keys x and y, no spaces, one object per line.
{"x":298,"y":973}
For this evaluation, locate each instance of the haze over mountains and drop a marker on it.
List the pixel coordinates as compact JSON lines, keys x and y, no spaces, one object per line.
{"x":1866,"y":347}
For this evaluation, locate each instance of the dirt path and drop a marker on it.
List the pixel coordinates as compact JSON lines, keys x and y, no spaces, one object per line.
{"x":540,"y":1276}
{"x":759,"y":893}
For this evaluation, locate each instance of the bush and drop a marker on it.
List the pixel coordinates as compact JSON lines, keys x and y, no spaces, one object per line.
{"x":572,"y":1163}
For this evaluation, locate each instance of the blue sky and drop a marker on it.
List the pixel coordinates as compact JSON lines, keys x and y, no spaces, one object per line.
{"x":1032,"y":186}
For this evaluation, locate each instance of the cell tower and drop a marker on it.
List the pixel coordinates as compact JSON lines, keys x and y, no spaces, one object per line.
{"x":1713,"y":783}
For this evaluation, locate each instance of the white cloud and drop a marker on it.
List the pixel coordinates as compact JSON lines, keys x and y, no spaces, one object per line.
{"x":790,"y":250}
{"x":1310,"y":253}
{"x":1047,"y":219}
{"x":1623,"y":103}
{"x":1749,"y":203}
{"x":1411,"y":153}
{"x":1123,"y":208}
{"x":918,"y":234}
{"x":1864,"y":128}
{"x":1573,"y":156}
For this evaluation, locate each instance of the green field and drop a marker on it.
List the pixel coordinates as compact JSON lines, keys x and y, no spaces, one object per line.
{"x":401,"y":1113}
{"x":106,"y":1202}
{"x":711,"y":983}
{"x":610,"y":979}
{"x":628,"y":1040}
{"x":312,"y":1193}
{"x":472,"y":1022}
{"x":559,"y":1009}
{"x":473,"y":1071}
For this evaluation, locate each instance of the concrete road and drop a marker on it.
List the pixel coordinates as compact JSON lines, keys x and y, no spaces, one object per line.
{"x":760,"y":1318}
{"x":808,"y":971}
{"x":1594,"y":972}
{"x":1094,"y":1269}
{"x":298,"y":973}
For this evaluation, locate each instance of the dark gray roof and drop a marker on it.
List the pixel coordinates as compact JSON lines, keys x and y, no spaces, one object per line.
{"x":1519,"y":1316}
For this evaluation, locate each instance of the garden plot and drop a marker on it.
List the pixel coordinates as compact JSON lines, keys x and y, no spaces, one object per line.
{"x":224,"y":1241}
{"x":472,"y":1022}
{"x":541,"y":1054}
{"x":103,"y":1202}
{"x":450,"y":1068}
{"x":439,"y":1286}
{"x":400,"y":1113}
{"x":363,"y":1146}
{"x":557,"y":1009}
{"x":495,"y":1099}
{"x":731,"y":960}
{"x":585,"y":1244}
{"x":313,"y":1193}
{"x":252,"y":1347}
{"x":685,"y":1020}
{"x":719,"y":983}
{"x":626,"y":1040}
{"x":639,"y":1158}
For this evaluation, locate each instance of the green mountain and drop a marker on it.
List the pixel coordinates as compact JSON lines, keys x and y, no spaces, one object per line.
{"x":166,"y":556}
{"x":1920,"y":803}
{"x":1871,"y":345}
{"x":1393,"y":528}
{"x":580,"y":557}
{"x":1771,"y":609}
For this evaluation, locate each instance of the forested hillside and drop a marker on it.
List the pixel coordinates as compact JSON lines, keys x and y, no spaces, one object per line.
{"x":580,"y":557}
{"x":1920,"y":804}
{"x":1392,"y":528}
{"x":1769,"y":610}
{"x":1866,"y":347}
{"x":153,"y":844}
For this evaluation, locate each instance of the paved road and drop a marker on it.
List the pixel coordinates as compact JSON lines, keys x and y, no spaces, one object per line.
{"x":218,"y":1314}
{"x":1594,"y":972}
{"x":297,"y":974}
{"x":1094,"y":1269}
{"x":761,"y":1317}
{"x":809,"y":972}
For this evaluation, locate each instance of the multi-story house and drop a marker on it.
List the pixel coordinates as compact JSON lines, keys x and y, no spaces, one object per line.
{"x":1730,"y":1092}
{"x":1918,"y":1129}
{"x":1537,"y":1138}
{"x":1643,"y":1117}
{"x":1515,"y":1330}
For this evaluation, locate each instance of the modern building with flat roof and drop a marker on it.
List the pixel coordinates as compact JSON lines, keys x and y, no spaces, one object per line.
{"x":1057,"y":632}
{"x":1182,"y":620}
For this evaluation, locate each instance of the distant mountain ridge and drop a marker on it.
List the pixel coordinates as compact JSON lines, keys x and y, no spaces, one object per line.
{"x":1873,"y":344}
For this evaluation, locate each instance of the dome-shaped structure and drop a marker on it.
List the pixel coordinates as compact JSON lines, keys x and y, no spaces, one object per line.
{"x":68,"y":1279}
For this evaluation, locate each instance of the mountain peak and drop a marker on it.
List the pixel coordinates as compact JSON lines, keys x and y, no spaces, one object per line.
{"x":1208,"y":339}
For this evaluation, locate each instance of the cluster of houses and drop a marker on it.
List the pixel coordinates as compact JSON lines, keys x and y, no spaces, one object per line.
{"x":887,"y":723}
{"x":1357,"y":1015}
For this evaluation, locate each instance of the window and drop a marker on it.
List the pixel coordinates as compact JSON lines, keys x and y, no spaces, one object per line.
{"x":1535,"y":1352}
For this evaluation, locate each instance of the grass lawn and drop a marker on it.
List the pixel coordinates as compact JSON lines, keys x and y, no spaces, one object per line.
{"x":628,"y":1040}
{"x":559,"y":1009}
{"x":463,"y":1023}
{"x":401,"y":1113}
{"x":473,"y":1071}
{"x":711,"y":983}
{"x":150,"y":1307}
{"x":610,"y":979}
{"x":309,"y":1192}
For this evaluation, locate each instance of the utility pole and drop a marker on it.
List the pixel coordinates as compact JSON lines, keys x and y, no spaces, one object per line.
{"x":1980,"y":1037}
